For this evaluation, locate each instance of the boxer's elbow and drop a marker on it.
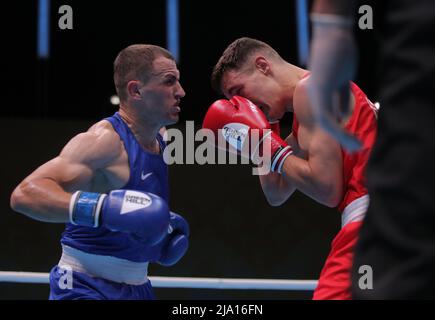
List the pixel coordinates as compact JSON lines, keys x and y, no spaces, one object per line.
{"x":332,"y":201}
{"x":17,"y":199}
{"x":331,"y":196}
{"x":20,"y":200}
{"x":275,"y":201}
{"x":277,"y":197}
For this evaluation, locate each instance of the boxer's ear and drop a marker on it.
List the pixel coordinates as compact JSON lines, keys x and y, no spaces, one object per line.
{"x":133,"y":89}
{"x":262,"y":65}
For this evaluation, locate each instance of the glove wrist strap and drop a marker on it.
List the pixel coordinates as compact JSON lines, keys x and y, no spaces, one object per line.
{"x":279,"y":158}
{"x":85,"y":208}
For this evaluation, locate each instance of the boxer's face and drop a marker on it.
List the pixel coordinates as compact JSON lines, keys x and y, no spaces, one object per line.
{"x":162,"y":94}
{"x":259,"y":87}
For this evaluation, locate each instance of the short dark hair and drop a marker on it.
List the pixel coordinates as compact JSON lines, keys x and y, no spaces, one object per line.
{"x":235,"y":56}
{"x":135,"y":62}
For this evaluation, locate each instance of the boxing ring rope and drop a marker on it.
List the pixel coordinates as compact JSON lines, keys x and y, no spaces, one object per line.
{"x":184,"y":282}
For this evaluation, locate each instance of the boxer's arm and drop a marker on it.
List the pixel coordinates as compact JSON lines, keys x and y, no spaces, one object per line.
{"x":275,"y":187}
{"x":320,"y":174}
{"x":45,"y":194}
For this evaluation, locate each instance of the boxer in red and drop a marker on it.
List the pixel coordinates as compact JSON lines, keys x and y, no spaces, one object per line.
{"x":308,"y":159}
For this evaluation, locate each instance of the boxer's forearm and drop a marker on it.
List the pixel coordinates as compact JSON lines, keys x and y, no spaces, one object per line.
{"x":276,"y":189}
{"x":41,"y":199}
{"x":336,"y":7}
{"x":304,"y":177}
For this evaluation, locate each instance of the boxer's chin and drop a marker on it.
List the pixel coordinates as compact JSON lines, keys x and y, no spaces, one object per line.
{"x":173,"y":118}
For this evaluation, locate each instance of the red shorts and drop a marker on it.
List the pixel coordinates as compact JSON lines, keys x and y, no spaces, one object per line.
{"x":334,"y":282}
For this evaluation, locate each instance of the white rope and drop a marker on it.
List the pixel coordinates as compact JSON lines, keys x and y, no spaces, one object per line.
{"x":24,"y":277}
{"x":184,"y":282}
{"x":225,"y":283}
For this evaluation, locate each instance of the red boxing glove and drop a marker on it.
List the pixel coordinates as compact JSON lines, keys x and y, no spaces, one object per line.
{"x":236,"y":119}
{"x":275,"y":127}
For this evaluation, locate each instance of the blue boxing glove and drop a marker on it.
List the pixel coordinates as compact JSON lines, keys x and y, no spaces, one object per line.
{"x":175,"y":244}
{"x":144,"y":215}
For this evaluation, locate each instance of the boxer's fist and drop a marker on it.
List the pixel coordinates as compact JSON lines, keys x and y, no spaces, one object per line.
{"x":275,"y":127}
{"x":236,"y":119}
{"x":141,"y":214}
{"x":175,"y":244}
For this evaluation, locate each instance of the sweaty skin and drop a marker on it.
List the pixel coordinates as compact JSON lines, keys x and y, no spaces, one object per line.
{"x":96,"y":160}
{"x":316,"y":166}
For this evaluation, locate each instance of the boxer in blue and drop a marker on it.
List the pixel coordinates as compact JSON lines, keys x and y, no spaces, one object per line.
{"x":110,"y":185}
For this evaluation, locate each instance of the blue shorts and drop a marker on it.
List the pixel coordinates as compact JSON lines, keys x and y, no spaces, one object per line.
{"x":72,"y":285}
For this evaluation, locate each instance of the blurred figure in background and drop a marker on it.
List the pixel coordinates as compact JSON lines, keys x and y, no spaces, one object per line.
{"x":397,"y":239}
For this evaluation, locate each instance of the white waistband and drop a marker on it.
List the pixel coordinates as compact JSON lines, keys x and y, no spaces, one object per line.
{"x":106,"y":267}
{"x":355,"y":211}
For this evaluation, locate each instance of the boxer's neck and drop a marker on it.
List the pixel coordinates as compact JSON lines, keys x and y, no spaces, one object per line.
{"x":144,"y":132}
{"x":289,"y":78}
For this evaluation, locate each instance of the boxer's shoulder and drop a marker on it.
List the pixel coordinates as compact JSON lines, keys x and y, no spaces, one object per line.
{"x":303,"y":110}
{"x":99,"y":146}
{"x":104,"y":129}
{"x":301,"y":104}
